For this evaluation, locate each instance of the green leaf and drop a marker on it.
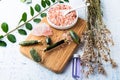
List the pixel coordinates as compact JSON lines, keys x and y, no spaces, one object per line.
{"x":29,"y":1}
{"x":66,"y":0}
{"x":31,"y":11}
{"x":1,"y":36}
{"x":23,"y":1}
{"x":4,"y":27}
{"x":53,"y":1}
{"x":28,"y":26}
{"x":61,"y":2}
{"x":22,"y":32}
{"x":37,"y":7}
{"x":43,"y":15}
{"x":3,"y":44}
{"x":35,"y":55}
{"x":43,"y":3}
{"x":11,"y":38}
{"x":24,"y":17}
{"x":37,"y":20}
{"x":47,"y":2}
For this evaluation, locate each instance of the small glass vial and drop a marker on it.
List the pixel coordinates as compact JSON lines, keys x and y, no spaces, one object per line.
{"x":76,"y":67}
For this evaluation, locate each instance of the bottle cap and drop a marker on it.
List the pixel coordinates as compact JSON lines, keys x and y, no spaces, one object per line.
{"x":76,"y":55}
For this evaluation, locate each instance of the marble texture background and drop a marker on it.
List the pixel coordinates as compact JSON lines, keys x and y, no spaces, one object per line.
{"x":14,"y":66}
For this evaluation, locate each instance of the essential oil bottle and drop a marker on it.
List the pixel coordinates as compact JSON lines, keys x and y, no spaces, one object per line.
{"x":76,"y":67}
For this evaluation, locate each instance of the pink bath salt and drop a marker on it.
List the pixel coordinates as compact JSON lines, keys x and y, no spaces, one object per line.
{"x":56,"y":15}
{"x":42,"y":29}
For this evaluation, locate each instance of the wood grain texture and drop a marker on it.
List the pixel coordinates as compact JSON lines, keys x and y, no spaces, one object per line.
{"x":56,"y":59}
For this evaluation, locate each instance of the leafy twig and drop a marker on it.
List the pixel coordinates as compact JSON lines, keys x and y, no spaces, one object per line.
{"x":11,"y":37}
{"x":28,"y":21}
{"x":5,"y":27}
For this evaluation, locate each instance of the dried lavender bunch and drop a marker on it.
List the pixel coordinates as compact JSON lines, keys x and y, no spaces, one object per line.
{"x":97,"y":40}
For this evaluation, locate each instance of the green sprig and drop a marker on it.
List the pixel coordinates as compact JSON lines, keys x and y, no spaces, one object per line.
{"x":28,"y":25}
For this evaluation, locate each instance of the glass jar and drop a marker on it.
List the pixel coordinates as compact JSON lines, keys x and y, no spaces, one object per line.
{"x":76,"y":67}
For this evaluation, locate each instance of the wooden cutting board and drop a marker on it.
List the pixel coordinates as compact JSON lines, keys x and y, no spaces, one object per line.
{"x":57,"y":59}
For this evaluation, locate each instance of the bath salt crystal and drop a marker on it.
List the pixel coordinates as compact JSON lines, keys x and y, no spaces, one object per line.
{"x":42,"y":29}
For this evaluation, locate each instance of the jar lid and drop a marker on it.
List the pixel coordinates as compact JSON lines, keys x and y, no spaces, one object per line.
{"x":76,"y":55}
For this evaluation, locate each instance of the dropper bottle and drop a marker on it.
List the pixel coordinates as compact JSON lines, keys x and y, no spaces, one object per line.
{"x":76,"y":67}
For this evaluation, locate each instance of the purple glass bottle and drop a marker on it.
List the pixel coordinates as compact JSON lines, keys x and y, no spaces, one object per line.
{"x":76,"y":66}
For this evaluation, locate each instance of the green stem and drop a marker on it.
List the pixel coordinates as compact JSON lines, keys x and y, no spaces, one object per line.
{"x":94,"y":14}
{"x":29,"y":20}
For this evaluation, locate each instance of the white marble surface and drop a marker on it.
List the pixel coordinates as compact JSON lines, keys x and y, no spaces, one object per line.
{"x":14,"y":66}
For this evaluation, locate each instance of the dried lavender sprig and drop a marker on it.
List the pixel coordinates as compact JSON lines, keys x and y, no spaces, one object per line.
{"x":97,"y":40}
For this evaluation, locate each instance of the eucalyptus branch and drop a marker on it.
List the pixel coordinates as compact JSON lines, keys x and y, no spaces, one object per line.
{"x":29,"y":20}
{"x":5,"y":27}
